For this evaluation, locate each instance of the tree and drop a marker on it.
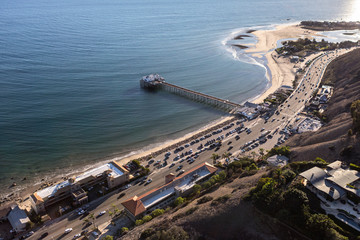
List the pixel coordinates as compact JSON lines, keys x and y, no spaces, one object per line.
{"x":222,"y":175}
{"x":261,"y":151}
{"x":111,"y":213}
{"x":108,"y":237}
{"x":157,"y":212}
{"x":214,"y":156}
{"x":226,"y":155}
{"x":179,"y":201}
{"x":92,"y":217}
{"x":319,"y":225}
{"x":294,"y":199}
{"x":196,"y":189}
{"x":147,"y":218}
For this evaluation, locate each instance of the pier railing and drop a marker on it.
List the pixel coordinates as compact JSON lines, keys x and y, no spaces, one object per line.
{"x":200,"y":97}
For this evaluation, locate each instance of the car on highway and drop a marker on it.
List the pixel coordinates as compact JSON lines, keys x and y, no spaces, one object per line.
{"x":77,"y":236}
{"x":101,"y":213}
{"x":68,"y":230}
{"x":81,"y":212}
{"x":29,"y":234}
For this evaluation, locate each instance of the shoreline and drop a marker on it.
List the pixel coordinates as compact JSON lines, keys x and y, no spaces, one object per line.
{"x":281,"y":70}
{"x":281,"y":73}
{"x":22,"y":192}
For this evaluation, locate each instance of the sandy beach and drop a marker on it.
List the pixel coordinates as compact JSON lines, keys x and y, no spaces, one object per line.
{"x":282,"y":73}
{"x":282,"y":70}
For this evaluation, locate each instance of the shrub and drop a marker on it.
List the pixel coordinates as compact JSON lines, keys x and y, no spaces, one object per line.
{"x":108,"y":237}
{"x":346,"y":151}
{"x":288,"y":175}
{"x":221,"y":199}
{"x":157,"y":212}
{"x":179,"y":201}
{"x":355,"y":114}
{"x":354,"y":167}
{"x":204,"y":199}
{"x":284,"y":150}
{"x":174,"y":233}
{"x":124,"y":230}
{"x":147,"y":218}
{"x":29,"y":225}
{"x":147,"y":233}
{"x":320,"y":160}
{"x":139,"y":222}
{"x":191,"y":210}
{"x":196,"y":189}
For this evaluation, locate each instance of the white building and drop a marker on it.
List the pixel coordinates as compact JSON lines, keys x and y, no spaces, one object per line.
{"x":18,"y":218}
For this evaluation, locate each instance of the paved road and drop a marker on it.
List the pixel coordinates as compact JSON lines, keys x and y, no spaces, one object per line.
{"x":287,"y":113}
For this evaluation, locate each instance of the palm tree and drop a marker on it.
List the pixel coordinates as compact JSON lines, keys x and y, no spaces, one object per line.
{"x":214,"y":156}
{"x":226,"y":155}
{"x":92,"y":217}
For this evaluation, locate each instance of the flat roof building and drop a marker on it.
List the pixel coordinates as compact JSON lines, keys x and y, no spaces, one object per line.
{"x":18,"y":218}
{"x":136,"y":207}
{"x":112,"y":173}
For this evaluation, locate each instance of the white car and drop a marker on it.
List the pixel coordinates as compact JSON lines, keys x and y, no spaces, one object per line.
{"x":77,"y":236}
{"x":81,"y":212}
{"x":68,"y":230}
{"x":101,"y":213}
{"x":149,"y":180}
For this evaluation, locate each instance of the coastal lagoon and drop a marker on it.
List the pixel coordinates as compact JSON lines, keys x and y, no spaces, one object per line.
{"x":70,"y":70}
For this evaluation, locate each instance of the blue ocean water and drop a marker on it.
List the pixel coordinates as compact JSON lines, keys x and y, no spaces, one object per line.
{"x":70,"y":70}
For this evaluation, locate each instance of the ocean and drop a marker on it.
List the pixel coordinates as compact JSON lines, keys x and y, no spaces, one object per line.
{"x":70,"y":70}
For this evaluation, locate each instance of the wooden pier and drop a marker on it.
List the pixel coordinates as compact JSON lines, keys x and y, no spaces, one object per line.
{"x":222,"y":104}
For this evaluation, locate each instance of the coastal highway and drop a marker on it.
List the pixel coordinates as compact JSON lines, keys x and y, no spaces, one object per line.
{"x":287,"y":112}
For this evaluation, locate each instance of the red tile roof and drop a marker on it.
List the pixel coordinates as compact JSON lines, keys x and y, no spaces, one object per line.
{"x":134,"y":205}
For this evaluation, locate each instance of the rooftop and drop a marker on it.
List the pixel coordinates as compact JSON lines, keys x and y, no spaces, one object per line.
{"x":278,"y":160}
{"x":181,"y":183}
{"x":17,"y":217}
{"x":318,"y":178}
{"x":115,"y":171}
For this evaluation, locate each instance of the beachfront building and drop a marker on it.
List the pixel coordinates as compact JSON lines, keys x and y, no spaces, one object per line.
{"x":249,"y":110}
{"x":338,"y":189}
{"x":136,"y":207}
{"x":112,"y":173}
{"x":18,"y":219}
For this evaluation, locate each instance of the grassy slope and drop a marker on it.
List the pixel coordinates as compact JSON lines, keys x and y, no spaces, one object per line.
{"x":328,"y":142}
